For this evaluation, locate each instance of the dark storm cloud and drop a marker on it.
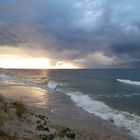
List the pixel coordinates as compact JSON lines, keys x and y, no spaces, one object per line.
{"x":75,"y":30}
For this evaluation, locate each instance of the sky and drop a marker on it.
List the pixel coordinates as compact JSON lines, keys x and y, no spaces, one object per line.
{"x":70,"y":33}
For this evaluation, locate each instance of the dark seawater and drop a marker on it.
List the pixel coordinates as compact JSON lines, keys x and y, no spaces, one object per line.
{"x":103,"y":85}
{"x":111,"y":94}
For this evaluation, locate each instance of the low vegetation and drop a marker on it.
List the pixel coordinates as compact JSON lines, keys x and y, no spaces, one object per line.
{"x":20,"y":118}
{"x":20,"y":109}
{"x":47,"y":137}
{"x":7,"y":136}
{"x":66,"y":132}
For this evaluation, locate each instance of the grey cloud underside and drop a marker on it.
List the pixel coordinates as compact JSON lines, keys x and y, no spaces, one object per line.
{"x":75,"y":29}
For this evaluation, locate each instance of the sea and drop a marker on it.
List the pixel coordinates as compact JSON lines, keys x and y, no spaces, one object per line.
{"x":110,"y":94}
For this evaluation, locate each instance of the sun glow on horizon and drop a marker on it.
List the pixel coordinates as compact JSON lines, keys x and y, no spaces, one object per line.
{"x":22,"y":62}
{"x":15,"y":61}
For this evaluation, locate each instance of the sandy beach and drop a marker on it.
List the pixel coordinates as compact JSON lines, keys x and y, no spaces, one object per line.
{"x":92,"y":129}
{"x":19,"y":121}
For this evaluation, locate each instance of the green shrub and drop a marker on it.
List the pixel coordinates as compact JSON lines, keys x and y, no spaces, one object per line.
{"x":48,"y":137}
{"x":70,"y":135}
{"x":64,"y":131}
{"x":46,"y":129}
{"x":40,"y":127}
{"x":41,"y":117}
{"x":38,"y":121}
{"x":20,"y":109}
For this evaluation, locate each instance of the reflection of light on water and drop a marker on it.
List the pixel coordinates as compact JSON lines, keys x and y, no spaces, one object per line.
{"x":30,"y":95}
{"x":11,"y":83}
{"x":40,"y":96}
{"x":21,"y":85}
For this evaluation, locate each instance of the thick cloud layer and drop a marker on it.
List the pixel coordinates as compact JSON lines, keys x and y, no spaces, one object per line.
{"x":92,"y":33}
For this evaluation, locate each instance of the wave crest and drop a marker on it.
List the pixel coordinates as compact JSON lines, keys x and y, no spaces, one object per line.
{"x":129,"y":82}
{"x":54,"y":85}
{"x":100,"y":109}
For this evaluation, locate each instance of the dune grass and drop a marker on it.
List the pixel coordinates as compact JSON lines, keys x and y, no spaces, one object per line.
{"x":20,"y":108}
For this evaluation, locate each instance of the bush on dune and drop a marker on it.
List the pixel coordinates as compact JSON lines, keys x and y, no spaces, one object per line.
{"x":20,"y":108}
{"x":66,"y":132}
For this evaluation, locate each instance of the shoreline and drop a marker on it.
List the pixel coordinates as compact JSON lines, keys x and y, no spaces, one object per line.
{"x":92,"y":129}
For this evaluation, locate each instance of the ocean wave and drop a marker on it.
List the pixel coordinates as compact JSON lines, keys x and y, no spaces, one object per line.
{"x":100,"y":109}
{"x":127,"y":95}
{"x":54,"y":84}
{"x":120,"y":95}
{"x":129,"y":82}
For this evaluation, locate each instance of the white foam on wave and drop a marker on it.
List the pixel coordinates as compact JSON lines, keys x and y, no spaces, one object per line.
{"x":54,"y":84}
{"x":120,"y":95}
{"x":127,"y":95}
{"x":100,"y":109}
{"x":129,"y":82}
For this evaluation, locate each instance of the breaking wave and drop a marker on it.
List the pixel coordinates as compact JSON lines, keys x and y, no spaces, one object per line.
{"x":54,"y":85}
{"x":120,"y":95}
{"x":100,"y":109}
{"x":129,"y":82}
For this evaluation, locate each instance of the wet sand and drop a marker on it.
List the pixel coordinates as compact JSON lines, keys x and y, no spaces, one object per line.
{"x":92,"y":129}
